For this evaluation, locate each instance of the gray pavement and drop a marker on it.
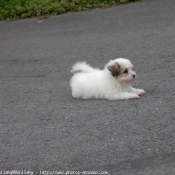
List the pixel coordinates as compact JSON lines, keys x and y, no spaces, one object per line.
{"x":43,"y":128}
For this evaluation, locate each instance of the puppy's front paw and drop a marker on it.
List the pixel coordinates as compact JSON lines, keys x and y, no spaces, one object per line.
{"x":140,"y":91}
{"x":132,"y":96}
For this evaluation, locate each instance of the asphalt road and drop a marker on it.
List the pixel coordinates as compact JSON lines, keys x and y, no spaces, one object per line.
{"x":43,"y":128}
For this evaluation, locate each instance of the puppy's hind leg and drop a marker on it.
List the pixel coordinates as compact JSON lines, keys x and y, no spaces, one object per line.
{"x":123,"y":96}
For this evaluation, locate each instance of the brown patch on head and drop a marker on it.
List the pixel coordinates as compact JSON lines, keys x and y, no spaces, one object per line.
{"x":115,"y":69}
{"x":77,"y":71}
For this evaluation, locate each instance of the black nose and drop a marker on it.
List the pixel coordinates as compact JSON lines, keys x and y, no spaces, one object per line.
{"x":134,"y":75}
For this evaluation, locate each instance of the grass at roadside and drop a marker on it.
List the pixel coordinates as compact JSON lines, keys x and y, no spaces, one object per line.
{"x":18,"y":9}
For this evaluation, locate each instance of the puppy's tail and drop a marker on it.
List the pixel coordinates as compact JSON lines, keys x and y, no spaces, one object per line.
{"x":82,"y":67}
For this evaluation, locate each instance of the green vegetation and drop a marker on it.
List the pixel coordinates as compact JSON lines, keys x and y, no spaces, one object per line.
{"x":18,"y":9}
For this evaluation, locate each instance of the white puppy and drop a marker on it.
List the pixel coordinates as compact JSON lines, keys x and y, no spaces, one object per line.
{"x":112,"y":83}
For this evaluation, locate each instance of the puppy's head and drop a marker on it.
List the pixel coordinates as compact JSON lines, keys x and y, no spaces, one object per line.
{"x":122,"y":69}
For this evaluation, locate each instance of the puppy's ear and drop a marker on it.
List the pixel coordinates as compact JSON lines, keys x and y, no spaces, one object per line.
{"x":114,"y":69}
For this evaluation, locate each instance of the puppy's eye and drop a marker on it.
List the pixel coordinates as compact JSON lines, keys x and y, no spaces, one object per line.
{"x":125,"y":71}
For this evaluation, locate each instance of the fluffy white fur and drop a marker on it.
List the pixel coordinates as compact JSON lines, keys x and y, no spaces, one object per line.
{"x":112,"y":83}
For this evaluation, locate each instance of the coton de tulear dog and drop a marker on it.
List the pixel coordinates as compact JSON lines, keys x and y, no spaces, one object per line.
{"x":112,"y":83}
